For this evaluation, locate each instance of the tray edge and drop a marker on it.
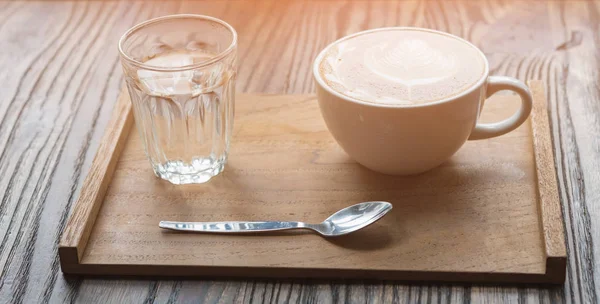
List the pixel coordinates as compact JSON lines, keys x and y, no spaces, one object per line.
{"x":81,"y":221}
{"x":550,"y":210}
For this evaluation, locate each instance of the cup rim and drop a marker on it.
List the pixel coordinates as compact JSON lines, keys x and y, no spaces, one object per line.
{"x":322,"y":84}
{"x":144,"y":66}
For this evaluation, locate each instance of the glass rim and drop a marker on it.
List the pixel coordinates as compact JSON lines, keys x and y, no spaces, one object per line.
{"x":140,"y":64}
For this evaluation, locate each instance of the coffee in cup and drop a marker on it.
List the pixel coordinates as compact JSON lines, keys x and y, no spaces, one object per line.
{"x":401,"y":67}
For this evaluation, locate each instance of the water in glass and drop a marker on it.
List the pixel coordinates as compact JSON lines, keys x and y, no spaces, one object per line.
{"x":184,"y":118}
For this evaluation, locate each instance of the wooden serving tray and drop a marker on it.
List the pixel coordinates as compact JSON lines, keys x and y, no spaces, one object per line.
{"x":490,"y":214}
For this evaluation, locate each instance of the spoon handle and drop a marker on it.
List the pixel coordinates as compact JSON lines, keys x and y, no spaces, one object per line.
{"x":230,"y":227}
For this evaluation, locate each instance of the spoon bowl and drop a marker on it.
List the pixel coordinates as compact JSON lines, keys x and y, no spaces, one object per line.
{"x":355,"y":217}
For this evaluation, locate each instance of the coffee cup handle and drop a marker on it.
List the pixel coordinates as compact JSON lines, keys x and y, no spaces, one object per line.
{"x":500,"y":83}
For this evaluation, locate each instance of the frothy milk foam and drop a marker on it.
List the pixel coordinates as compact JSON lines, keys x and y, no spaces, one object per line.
{"x":401,"y":66}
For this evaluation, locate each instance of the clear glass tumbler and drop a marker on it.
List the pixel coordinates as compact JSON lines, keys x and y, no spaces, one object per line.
{"x":180,"y":71}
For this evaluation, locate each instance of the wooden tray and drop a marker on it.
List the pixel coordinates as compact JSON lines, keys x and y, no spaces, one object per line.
{"x":490,"y":214}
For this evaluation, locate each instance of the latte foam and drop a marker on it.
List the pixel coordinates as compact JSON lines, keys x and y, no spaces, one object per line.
{"x":401,"y":66}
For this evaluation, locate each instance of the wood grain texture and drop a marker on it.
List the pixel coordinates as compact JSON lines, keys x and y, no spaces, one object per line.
{"x":62,"y":78}
{"x":476,"y":218}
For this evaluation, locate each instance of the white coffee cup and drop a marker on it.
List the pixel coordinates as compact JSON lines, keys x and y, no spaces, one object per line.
{"x":405,"y":140}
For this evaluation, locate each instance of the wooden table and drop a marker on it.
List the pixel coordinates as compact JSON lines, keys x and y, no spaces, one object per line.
{"x":61,"y":76}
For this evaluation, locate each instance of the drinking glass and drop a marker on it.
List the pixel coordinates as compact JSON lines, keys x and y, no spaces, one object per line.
{"x":180,"y":71}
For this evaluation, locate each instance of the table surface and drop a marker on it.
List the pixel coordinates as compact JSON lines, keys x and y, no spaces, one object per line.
{"x":61,"y":77}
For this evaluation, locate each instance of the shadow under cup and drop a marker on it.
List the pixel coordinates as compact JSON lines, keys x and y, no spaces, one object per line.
{"x":180,"y":72}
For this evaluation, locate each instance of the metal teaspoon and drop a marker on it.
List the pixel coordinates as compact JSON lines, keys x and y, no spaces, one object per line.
{"x":345,"y":221}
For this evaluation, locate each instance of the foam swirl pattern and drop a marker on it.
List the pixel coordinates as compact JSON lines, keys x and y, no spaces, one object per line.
{"x":401,"y":66}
